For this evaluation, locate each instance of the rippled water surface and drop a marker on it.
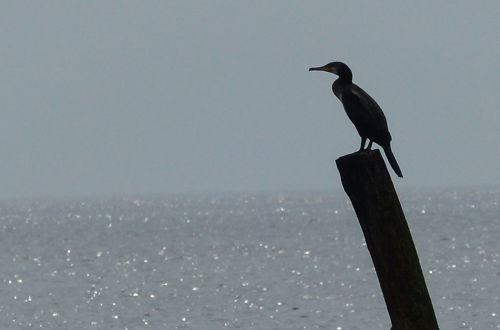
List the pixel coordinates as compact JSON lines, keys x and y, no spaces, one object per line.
{"x":284,"y":261}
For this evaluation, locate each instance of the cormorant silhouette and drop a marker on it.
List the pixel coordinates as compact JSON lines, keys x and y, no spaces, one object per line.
{"x":364,"y":112}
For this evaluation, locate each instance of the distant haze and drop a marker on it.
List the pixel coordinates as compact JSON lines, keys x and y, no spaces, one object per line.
{"x":188,"y":96}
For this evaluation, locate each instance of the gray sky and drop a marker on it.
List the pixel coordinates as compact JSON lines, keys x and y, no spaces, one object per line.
{"x":103,"y":97}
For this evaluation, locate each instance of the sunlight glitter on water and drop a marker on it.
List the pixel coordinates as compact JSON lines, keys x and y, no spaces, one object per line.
{"x":250,"y":262}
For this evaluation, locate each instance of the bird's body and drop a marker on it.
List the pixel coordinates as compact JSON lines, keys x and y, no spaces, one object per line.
{"x":362,"y":110}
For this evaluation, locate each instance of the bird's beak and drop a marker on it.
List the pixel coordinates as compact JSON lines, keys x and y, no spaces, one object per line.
{"x":322,"y":68}
{"x":319,"y":68}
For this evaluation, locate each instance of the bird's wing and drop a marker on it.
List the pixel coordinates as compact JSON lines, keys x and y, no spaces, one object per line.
{"x":364,"y":111}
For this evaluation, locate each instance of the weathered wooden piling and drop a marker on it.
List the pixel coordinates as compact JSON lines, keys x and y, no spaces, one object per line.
{"x":368,"y":184}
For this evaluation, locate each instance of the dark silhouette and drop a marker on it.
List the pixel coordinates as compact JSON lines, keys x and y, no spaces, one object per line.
{"x":363,"y":111}
{"x":388,"y":238}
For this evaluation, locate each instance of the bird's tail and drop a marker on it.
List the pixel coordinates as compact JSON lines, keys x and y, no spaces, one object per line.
{"x":392,"y":160}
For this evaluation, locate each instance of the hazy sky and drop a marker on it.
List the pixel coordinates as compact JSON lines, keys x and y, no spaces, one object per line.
{"x":104,"y":97}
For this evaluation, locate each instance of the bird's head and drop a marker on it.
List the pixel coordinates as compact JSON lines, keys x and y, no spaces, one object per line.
{"x":338,"y":68}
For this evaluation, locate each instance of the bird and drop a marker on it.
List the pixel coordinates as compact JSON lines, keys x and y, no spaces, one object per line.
{"x":362,"y":110}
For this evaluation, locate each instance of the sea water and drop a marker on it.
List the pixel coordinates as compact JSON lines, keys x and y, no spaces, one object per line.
{"x":238,"y":261}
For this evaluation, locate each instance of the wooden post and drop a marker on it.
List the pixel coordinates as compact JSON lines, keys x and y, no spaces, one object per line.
{"x":369,"y":186}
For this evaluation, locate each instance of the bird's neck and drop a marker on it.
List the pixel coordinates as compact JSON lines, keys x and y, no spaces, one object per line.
{"x":339,"y":86}
{"x":342,"y":82}
{"x":344,"y":79}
